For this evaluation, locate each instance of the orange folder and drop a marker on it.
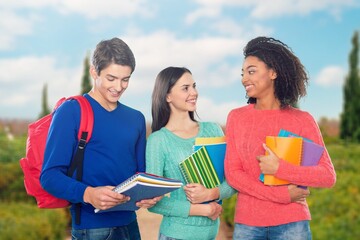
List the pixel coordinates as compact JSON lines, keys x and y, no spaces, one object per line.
{"x":286,"y":148}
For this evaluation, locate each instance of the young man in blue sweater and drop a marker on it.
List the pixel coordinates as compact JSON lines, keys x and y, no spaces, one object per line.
{"x":115,"y":151}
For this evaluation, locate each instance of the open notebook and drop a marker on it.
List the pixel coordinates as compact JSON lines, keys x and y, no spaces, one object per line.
{"x":142,"y":186}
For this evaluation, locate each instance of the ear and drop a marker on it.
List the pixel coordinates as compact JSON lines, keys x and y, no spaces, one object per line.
{"x":273,"y":74}
{"x":93,"y":73}
{"x":168,"y":98}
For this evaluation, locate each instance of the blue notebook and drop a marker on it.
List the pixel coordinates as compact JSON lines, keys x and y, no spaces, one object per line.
{"x":216,"y":148}
{"x":142,"y":186}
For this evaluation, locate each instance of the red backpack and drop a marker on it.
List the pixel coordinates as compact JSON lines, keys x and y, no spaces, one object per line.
{"x":35,"y":148}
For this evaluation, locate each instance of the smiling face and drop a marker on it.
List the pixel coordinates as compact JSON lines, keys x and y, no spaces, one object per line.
{"x":258,"y":79}
{"x":183,"y":95}
{"x":110,"y":84}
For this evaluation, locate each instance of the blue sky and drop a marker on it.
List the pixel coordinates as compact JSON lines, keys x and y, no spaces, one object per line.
{"x":46,"y":41}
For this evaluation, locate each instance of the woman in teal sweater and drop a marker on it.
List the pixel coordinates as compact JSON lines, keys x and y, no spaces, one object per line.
{"x":174,"y":130}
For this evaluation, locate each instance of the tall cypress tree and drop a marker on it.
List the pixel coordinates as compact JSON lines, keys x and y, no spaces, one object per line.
{"x":86,"y":79}
{"x":45,"y":110}
{"x":350,"y":117}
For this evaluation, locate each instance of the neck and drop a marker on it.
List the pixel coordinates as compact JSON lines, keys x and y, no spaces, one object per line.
{"x":267,"y":104}
{"x":182,"y":126}
{"x":109,"y":106}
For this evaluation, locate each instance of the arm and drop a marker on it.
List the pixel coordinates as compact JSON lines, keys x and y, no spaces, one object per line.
{"x":155,"y":164}
{"x":61,"y":142}
{"x":321,"y":175}
{"x":197,"y":193}
{"x":235,"y":169}
{"x":140,"y":147}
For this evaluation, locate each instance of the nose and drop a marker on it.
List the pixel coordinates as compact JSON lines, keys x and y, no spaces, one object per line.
{"x":121,"y":85}
{"x":194,"y":91}
{"x":243,"y":78}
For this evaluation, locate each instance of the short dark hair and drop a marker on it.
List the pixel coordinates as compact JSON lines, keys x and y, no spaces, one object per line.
{"x":111,"y":51}
{"x":160,"y":108}
{"x":292,"y":78}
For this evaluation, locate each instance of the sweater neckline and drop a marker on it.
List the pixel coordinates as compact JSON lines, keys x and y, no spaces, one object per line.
{"x":171,"y":134}
{"x":267,"y":111}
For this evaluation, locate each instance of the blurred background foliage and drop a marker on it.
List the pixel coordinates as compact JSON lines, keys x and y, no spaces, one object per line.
{"x":335,"y":212}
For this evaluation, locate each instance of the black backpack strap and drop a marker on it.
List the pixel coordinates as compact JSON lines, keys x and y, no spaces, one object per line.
{"x":77,"y":164}
{"x":85,"y":132}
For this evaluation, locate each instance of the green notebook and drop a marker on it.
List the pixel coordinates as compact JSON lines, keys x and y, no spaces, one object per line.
{"x":198,"y":168}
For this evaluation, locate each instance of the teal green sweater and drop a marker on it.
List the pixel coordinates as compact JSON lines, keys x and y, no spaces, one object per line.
{"x":164,"y":151}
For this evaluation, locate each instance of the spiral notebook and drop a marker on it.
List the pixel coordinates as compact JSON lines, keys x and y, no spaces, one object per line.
{"x":198,"y":168}
{"x":142,"y":186}
{"x":216,"y":148}
{"x":311,"y":152}
{"x":286,"y":148}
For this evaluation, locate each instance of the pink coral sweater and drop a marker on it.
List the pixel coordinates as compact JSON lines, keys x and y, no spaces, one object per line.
{"x":257,"y":204}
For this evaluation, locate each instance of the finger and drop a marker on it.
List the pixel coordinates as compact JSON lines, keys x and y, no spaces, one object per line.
{"x":267,"y":149}
{"x":192,"y":185}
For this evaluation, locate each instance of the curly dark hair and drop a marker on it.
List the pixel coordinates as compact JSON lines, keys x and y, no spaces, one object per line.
{"x":292,"y":78}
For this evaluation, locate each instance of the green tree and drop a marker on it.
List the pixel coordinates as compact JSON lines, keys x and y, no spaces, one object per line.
{"x":45,"y":110}
{"x":350,"y":117}
{"x":86,"y":79}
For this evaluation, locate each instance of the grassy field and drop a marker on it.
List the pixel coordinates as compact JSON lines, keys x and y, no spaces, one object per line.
{"x":335,"y":211}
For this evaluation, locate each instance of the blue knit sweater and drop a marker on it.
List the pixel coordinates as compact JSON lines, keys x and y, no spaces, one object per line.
{"x":115,"y":151}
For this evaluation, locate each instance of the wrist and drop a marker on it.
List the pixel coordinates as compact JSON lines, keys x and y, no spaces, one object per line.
{"x":86,"y":197}
{"x":199,"y":210}
{"x":214,"y":194}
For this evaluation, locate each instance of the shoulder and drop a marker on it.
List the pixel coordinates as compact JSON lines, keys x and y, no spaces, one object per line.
{"x":301,"y":115}
{"x":158,"y":140}
{"x":211,"y":129}
{"x":240,"y":113}
{"x":157,"y":135}
{"x":241,"y":110}
{"x":68,"y":107}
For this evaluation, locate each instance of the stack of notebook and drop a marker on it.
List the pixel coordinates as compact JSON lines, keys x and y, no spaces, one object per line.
{"x":206,"y":164}
{"x":142,"y":186}
{"x":293,"y":149}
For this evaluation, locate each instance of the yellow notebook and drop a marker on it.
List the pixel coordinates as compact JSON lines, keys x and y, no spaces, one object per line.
{"x":209,"y":140}
{"x":286,"y":148}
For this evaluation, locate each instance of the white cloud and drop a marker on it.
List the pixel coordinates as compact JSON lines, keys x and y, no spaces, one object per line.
{"x":22,"y":80}
{"x":330,"y":76}
{"x":208,"y":110}
{"x":206,"y":11}
{"x":89,"y":8}
{"x":206,"y":57}
{"x":109,"y":8}
{"x":13,"y":26}
{"x":269,"y":9}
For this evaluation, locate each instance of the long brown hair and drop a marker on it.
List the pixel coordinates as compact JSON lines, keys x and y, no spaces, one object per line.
{"x":160,"y":108}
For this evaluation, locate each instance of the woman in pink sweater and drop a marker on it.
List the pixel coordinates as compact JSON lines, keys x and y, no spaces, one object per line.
{"x":274,"y":79}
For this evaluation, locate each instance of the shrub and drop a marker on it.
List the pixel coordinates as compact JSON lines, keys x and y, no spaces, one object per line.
{"x":229,"y":210}
{"x":26,"y":221}
{"x":12,"y":183}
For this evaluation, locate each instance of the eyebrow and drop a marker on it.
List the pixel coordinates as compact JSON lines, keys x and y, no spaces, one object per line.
{"x":112,"y":76}
{"x":248,"y":67}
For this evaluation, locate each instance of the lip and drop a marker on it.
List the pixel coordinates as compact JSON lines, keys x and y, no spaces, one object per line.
{"x":193,"y":100}
{"x":248,"y":87}
{"x":114,"y":93}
